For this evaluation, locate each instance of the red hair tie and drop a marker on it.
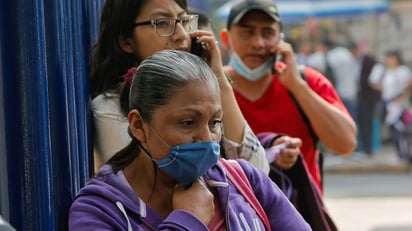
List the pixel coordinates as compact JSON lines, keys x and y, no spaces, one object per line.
{"x":128,"y":77}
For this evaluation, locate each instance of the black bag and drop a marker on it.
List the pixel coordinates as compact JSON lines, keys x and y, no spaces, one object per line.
{"x":300,"y":188}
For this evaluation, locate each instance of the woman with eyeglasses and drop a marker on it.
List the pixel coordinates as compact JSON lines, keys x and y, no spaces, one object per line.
{"x":169,"y":177}
{"x":132,"y":30}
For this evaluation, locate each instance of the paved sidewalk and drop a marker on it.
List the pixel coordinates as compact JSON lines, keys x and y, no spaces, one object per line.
{"x":383,"y":160}
{"x":376,"y":201}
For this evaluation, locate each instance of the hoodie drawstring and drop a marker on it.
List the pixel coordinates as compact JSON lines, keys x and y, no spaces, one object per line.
{"x":120,"y":206}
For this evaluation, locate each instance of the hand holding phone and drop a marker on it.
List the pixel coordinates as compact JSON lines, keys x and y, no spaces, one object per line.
{"x":279,"y":56}
{"x":197,"y":48}
{"x":278,"y":65}
{"x":200,"y":50}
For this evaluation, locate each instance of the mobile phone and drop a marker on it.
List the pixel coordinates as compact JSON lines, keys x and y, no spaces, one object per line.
{"x":197,"y":48}
{"x":278,"y":58}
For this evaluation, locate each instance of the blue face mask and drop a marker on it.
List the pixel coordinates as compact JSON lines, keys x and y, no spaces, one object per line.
{"x":252,"y":75}
{"x":187,"y":162}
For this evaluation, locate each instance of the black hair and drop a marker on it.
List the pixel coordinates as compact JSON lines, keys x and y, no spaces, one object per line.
{"x":108,"y":61}
{"x":327,"y":42}
{"x":396,"y":54}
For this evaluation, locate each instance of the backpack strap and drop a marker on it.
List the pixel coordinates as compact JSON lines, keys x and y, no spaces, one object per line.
{"x":305,"y":118}
{"x":237,"y":176}
{"x":301,"y":112}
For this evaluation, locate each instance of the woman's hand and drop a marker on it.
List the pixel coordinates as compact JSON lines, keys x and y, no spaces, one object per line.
{"x":287,"y":156}
{"x":212,"y":54}
{"x":197,"y":200}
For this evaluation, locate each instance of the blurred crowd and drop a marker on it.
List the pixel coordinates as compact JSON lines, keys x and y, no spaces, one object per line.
{"x":372,"y":90}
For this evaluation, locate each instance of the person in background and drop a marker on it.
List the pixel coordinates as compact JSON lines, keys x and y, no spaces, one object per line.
{"x":319,"y":59}
{"x":394,"y":79}
{"x":367,"y":98}
{"x":203,"y":22}
{"x":168,"y":177}
{"x":130,"y":31}
{"x":303,"y":50}
{"x":337,"y":63}
{"x":266,"y":97}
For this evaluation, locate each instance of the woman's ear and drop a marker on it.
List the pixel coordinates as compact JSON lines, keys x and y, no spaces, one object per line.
{"x":136,"y":125}
{"x":126,"y":44}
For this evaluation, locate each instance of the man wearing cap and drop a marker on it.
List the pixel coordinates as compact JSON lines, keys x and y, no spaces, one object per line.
{"x":264,"y":87}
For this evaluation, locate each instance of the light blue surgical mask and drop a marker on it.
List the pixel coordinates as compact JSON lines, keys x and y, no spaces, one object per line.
{"x":252,"y":75}
{"x":187,"y":162}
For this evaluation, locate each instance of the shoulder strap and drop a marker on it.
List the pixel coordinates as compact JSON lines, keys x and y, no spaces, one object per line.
{"x":305,"y":118}
{"x":237,"y":176}
{"x":301,"y":112}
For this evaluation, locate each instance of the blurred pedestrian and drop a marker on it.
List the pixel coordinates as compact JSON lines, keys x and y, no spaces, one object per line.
{"x":303,"y":50}
{"x":367,"y":98}
{"x":338,"y":64}
{"x":393,"y":79}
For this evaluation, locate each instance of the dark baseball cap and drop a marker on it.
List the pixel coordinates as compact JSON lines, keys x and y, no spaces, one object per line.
{"x":241,"y":8}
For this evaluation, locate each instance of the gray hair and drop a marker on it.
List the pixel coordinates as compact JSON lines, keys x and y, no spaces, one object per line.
{"x":161,"y":75}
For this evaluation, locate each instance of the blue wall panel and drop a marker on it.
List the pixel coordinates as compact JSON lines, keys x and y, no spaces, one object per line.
{"x":44,"y":57}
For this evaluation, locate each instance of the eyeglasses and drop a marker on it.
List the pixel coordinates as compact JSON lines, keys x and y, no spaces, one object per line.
{"x":166,"y":26}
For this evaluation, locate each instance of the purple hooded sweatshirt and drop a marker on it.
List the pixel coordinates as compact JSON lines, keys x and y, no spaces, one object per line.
{"x":107,"y":202}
